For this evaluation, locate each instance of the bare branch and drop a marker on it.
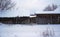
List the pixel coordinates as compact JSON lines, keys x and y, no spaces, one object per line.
{"x":51,"y":8}
{"x":6,"y":5}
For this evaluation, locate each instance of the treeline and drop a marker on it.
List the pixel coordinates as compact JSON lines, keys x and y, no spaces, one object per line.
{"x":39,"y":19}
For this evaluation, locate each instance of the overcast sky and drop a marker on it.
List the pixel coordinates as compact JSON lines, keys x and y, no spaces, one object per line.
{"x":27,"y":7}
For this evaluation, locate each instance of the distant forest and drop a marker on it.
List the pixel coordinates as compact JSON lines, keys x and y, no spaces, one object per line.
{"x":39,"y":19}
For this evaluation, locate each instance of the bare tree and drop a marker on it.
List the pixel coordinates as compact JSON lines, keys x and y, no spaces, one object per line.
{"x":6,"y":5}
{"x":51,"y":7}
{"x":49,"y":33}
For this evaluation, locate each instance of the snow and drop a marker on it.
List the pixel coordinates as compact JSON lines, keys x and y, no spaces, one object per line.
{"x":20,"y":30}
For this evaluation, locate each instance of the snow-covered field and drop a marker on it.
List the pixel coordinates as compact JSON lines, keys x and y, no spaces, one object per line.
{"x":27,"y":30}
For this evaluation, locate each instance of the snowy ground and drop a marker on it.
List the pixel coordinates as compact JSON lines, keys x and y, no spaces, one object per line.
{"x":26,"y":30}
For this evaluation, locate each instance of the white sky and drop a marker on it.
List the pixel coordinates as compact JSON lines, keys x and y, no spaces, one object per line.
{"x":27,"y":7}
